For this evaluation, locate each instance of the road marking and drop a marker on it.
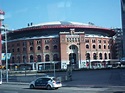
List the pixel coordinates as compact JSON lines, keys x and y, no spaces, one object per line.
{"x":10,"y":91}
{"x":77,"y":88}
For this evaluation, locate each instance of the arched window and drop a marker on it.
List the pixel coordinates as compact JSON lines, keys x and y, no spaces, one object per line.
{"x":38,"y":58}
{"x":18,"y":59}
{"x":47,"y":58}
{"x":99,"y":46}
{"x":108,"y":47}
{"x":24,"y":49}
{"x":13,"y":60}
{"x":12,"y":50}
{"x":24,"y":59}
{"x":87,"y":40}
{"x":93,"y":46}
{"x":87,"y":46}
{"x":94,"y":56}
{"x":18,"y":49}
{"x":38,"y":48}
{"x":31,"y":58}
{"x":55,"y":57}
{"x":47,"y":47}
{"x":100,"y":55}
{"x":93,"y":41}
{"x":109,"y":56}
{"x":87,"y":56}
{"x":55,"y":47}
{"x":31,"y":48}
{"x":72,"y":47}
{"x":105,"y":56}
{"x":104,"y":46}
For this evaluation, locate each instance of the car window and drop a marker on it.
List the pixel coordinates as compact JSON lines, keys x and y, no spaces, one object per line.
{"x":38,"y":80}
{"x":45,"y":79}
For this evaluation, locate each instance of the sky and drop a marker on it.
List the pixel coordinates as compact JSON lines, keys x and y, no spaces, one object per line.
{"x":103,"y":13}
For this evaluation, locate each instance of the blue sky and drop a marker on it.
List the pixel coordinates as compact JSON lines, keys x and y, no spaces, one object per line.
{"x":104,"y":13}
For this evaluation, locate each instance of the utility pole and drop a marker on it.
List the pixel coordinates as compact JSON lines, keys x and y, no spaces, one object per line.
{"x":5,"y":32}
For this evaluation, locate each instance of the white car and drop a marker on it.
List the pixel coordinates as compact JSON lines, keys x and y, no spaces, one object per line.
{"x":46,"y":82}
{"x":122,"y":59}
{"x":0,"y":82}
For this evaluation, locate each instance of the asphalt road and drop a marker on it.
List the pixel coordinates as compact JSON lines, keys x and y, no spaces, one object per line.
{"x":4,"y":88}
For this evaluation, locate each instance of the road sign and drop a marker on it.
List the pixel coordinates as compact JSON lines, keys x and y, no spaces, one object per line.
{"x":4,"y":56}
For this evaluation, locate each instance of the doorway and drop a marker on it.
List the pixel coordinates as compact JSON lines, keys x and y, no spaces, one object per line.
{"x":72,"y":58}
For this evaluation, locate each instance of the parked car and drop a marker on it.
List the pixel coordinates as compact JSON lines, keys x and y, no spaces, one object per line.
{"x":46,"y":82}
{"x":122,"y":60}
{"x":0,"y":82}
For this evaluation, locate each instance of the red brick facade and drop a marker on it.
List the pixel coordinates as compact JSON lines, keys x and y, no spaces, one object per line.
{"x":98,"y":45}
{"x":29,"y":50}
{"x":68,"y":46}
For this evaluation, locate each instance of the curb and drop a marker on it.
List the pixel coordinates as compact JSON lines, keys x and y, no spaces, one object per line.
{"x":63,"y":85}
{"x":15,"y":83}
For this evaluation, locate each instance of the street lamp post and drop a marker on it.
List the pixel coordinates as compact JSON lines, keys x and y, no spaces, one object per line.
{"x":6,"y":52}
{"x":6,"y":56}
{"x":54,"y":69}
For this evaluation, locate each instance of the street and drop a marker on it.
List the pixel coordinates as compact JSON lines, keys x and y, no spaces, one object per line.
{"x":90,"y":81}
{"x":25,"y":89}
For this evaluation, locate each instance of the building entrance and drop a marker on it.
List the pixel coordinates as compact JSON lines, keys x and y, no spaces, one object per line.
{"x":72,"y":58}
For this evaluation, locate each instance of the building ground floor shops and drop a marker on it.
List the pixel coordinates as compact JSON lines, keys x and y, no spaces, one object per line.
{"x":87,"y":64}
{"x":35,"y":66}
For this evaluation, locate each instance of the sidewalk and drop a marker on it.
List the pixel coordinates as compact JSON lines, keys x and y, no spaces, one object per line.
{"x":15,"y":83}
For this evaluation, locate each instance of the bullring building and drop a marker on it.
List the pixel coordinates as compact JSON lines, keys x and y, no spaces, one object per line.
{"x":41,"y":46}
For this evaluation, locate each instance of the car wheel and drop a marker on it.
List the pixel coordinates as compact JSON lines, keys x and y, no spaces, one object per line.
{"x":32,"y":86}
{"x":48,"y":87}
{"x":56,"y":88}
